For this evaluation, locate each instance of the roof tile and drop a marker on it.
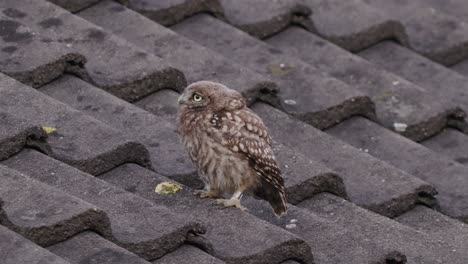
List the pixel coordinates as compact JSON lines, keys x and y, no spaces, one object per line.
{"x":78,"y":138}
{"x":438,"y":226}
{"x":187,"y":254}
{"x":105,"y":53}
{"x":15,"y":133}
{"x":42,"y":213}
{"x":452,"y":190}
{"x":417,"y":247}
{"x":305,"y":92}
{"x":450,"y":142}
{"x":436,"y":35}
{"x":250,"y":239}
{"x":388,"y":190}
{"x":196,"y":62}
{"x":89,"y":247}
{"x":444,"y":84}
{"x":157,"y":134}
{"x":361,"y":27}
{"x":146,"y":229}
{"x":396,"y":100}
{"x":169,"y":12}
{"x":16,"y":249}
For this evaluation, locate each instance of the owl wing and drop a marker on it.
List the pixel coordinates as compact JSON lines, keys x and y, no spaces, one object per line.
{"x":244,"y":132}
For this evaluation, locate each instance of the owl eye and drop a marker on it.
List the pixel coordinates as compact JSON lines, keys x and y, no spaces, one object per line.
{"x":197,"y":98}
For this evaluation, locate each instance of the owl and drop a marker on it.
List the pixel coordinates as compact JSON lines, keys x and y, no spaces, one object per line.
{"x":230,"y":146}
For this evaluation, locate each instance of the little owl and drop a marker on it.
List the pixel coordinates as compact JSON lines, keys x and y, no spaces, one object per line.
{"x":229,"y":145}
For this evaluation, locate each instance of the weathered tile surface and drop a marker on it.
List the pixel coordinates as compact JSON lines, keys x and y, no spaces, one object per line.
{"x":157,"y":134}
{"x":397,"y":101}
{"x":381,"y":232}
{"x":387,"y":190}
{"x":105,"y":54}
{"x":361,"y":27}
{"x":89,"y":247}
{"x":79,"y":140}
{"x":44,"y":214}
{"x":16,"y":249}
{"x":146,"y":229}
{"x":16,"y":133}
{"x":74,"y":5}
{"x":438,"y":226}
{"x":305,"y":92}
{"x":169,"y":12}
{"x":122,"y":48}
{"x":436,"y":35}
{"x":250,"y":239}
{"x":452,"y":187}
{"x":461,"y":67}
{"x":449,"y":87}
{"x":196,"y":62}
{"x":262,"y":18}
{"x":187,"y":254}
{"x":452,"y":143}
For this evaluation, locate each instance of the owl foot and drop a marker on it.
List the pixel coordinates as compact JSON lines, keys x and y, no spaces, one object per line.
{"x":206,"y":194}
{"x":233,"y":202}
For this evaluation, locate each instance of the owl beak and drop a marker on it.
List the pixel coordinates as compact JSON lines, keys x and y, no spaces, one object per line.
{"x":181,"y":100}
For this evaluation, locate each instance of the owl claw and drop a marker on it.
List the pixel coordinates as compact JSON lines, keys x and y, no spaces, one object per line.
{"x":233,"y":202}
{"x":205,"y":194}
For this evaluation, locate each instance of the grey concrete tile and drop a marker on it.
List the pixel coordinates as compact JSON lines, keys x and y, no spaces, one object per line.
{"x":170,"y":12}
{"x":437,"y":226}
{"x":74,"y":5}
{"x":111,"y":63}
{"x":413,"y":158}
{"x":166,"y":152}
{"x":305,"y":92}
{"x":235,"y":236}
{"x":447,"y":86}
{"x":187,"y":254}
{"x":436,"y":35}
{"x":262,"y":18}
{"x":42,"y":213}
{"x":375,"y":231}
{"x":16,"y":133}
{"x":451,"y":143}
{"x":16,"y":249}
{"x":146,"y":229}
{"x":89,"y":247}
{"x":196,"y":62}
{"x":397,"y":101}
{"x":361,"y":27}
{"x":387,"y":190}
{"x":461,"y":67}
{"x":79,"y":140}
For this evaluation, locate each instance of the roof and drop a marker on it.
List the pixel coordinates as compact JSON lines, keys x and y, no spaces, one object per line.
{"x":365,"y":99}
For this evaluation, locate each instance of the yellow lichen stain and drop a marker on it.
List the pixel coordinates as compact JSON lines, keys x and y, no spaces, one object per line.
{"x":167,"y":188}
{"x":49,"y":130}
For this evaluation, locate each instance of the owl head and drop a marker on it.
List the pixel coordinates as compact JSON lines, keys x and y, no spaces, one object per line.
{"x":210,"y":95}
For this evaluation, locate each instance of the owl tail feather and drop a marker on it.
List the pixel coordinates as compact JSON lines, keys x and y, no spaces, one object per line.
{"x":276,"y":197}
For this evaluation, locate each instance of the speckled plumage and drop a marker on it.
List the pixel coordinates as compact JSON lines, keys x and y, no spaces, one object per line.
{"x":230,"y":146}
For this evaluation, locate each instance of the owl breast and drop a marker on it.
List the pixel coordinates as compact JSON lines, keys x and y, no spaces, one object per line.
{"x":218,"y":166}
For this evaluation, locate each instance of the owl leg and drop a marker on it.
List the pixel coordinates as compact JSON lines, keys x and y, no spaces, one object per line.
{"x":233,"y":202}
{"x":207,"y":192}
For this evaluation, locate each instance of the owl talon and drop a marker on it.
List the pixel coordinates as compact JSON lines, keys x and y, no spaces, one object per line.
{"x":206,"y":194}
{"x":233,"y":202}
